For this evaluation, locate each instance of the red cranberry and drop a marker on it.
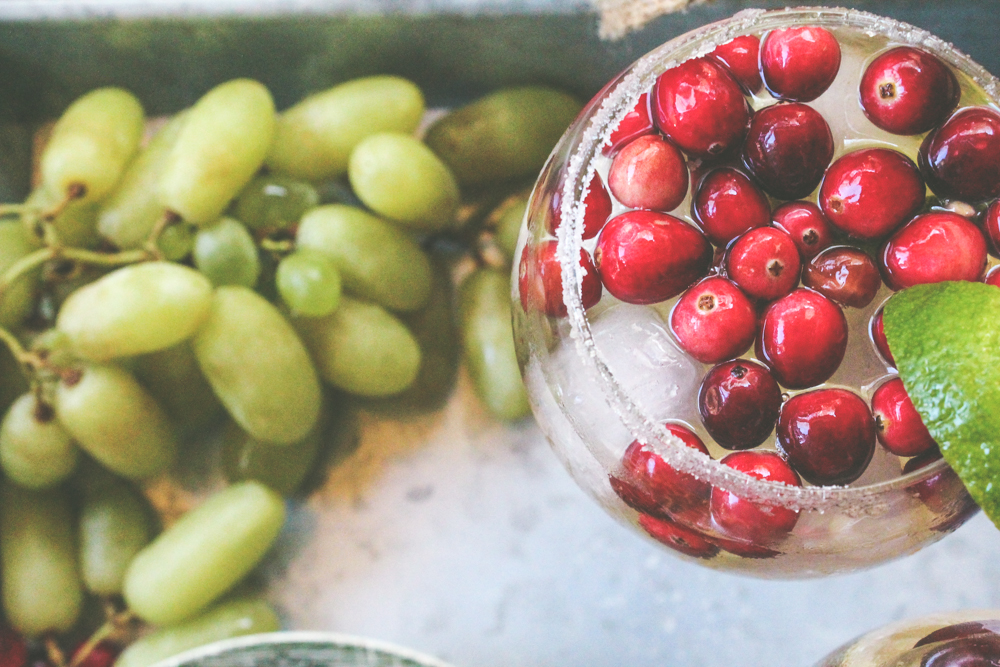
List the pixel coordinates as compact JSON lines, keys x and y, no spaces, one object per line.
{"x":743,"y":548}
{"x":740,"y":56}
{"x":908,"y":91}
{"x":597,"y":208}
{"x":871,"y":192}
{"x":991,"y":225}
{"x":13,"y":649}
{"x":827,"y":435}
{"x":636,"y":123}
{"x":847,"y":275}
{"x":757,"y":523}
{"x":993,"y":277}
{"x":787,"y":149}
{"x":714,"y":321}
{"x":700,"y":107}
{"x":648,"y":484}
{"x":803,"y":338}
{"x":649,"y":172}
{"x":540,"y":280}
{"x":798,"y":64}
{"x":877,"y":331}
{"x":943,"y":492}
{"x":960,"y":631}
{"x":103,"y":654}
{"x":806,"y":224}
{"x":739,"y":402}
{"x":978,"y":651}
{"x":900,"y":428}
{"x":727,"y":204}
{"x":647,"y":257}
{"x":961,"y":159}
{"x":677,"y":537}
{"x":932,"y":248}
{"x":765,"y":263}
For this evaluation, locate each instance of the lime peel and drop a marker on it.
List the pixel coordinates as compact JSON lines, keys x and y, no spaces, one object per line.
{"x":945,"y":338}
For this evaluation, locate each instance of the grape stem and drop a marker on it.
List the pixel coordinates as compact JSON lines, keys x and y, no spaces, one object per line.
{"x":113,"y":625}
{"x":277,"y":247}
{"x":56,"y":657}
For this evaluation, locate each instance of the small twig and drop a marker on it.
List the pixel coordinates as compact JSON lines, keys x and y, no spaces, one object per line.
{"x":151,"y":245}
{"x":104,"y":258}
{"x":278,"y":247}
{"x":56,"y":657}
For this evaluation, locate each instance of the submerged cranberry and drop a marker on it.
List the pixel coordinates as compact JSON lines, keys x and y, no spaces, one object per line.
{"x":636,"y":123}
{"x":847,"y":275}
{"x":993,"y":277}
{"x":908,"y":91}
{"x":932,"y":248}
{"x":739,"y":403}
{"x":597,"y":205}
{"x":871,"y":192}
{"x":741,"y":56}
{"x":649,"y":172}
{"x":991,"y":225}
{"x":700,"y":107}
{"x":765,"y":263}
{"x":677,"y":537}
{"x":803,"y":338}
{"x":787,"y":149}
{"x":877,"y":331}
{"x":743,"y":548}
{"x":757,"y":523}
{"x":961,"y":159}
{"x":942,"y":493}
{"x":646,"y":257}
{"x":799,"y":64}
{"x":727,"y":204}
{"x":977,"y":651}
{"x":714,"y":321}
{"x":806,"y":224}
{"x":540,"y":280}
{"x":899,"y":426}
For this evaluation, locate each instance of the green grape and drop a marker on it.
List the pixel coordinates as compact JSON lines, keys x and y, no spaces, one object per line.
{"x":35,"y":449}
{"x":116,"y":523}
{"x":173,"y":377}
{"x":314,"y":139}
{"x":376,"y":260}
{"x":258,"y":367}
{"x":308,"y":283}
{"x":362,"y":349}
{"x":227,"y":254}
{"x":235,"y":617}
{"x":399,"y":178}
{"x":176,"y":241}
{"x":488,"y":342}
{"x":116,"y":421}
{"x":12,"y":380}
{"x":42,"y":591}
{"x":508,"y":224}
{"x":274,"y":202}
{"x":204,"y":554}
{"x":18,"y":299}
{"x":127,"y":217}
{"x":221,"y":145}
{"x":76,"y":224}
{"x":505,"y":135}
{"x":91,"y":144}
{"x":135,"y":309}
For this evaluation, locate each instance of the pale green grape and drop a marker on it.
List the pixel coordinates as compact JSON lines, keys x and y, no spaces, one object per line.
{"x":274,"y":202}
{"x":76,"y":224}
{"x":227,"y":254}
{"x":230,"y":618}
{"x":505,"y":135}
{"x":222,"y":144}
{"x":376,"y":260}
{"x":204,"y":554}
{"x":116,"y":523}
{"x":488,"y":343}
{"x":116,"y":421}
{"x":42,"y":591}
{"x":176,"y":241}
{"x":308,"y":283}
{"x":399,"y":178}
{"x":12,"y":380}
{"x":35,"y":449}
{"x":508,"y":226}
{"x":362,"y":349}
{"x":174,"y":379}
{"x":135,"y":309}
{"x":258,"y":367}
{"x":314,"y":138}
{"x":18,"y":299}
{"x":91,"y":144}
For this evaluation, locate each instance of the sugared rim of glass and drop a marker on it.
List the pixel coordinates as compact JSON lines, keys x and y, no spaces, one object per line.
{"x":618,"y":101}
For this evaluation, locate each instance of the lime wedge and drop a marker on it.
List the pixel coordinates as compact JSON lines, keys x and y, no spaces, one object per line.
{"x":945,"y":339}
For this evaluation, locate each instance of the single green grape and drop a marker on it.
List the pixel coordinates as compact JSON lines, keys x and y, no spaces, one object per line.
{"x":204,"y":554}
{"x":308,"y":283}
{"x":274,"y":202}
{"x":35,"y":449}
{"x":227,"y":254}
{"x":76,"y":223}
{"x":314,"y":139}
{"x":42,"y":590}
{"x":18,"y":299}
{"x":508,"y":224}
{"x":376,"y":261}
{"x":173,"y":377}
{"x":176,"y":241}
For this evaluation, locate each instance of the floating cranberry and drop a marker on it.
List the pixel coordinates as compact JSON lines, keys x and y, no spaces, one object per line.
{"x":847,"y":275}
{"x":740,"y":56}
{"x":806,"y":224}
{"x":700,"y":107}
{"x":993,"y":277}
{"x":646,"y":257}
{"x":899,"y":426}
{"x":799,"y":64}
{"x":871,"y":192}
{"x":13,"y":649}
{"x":739,"y":402}
{"x":991,"y":225}
{"x":877,"y":331}
{"x":677,"y":537}
{"x":540,"y":280}
{"x":636,"y":123}
{"x":803,"y":338}
{"x":649,"y":172}
{"x":765,"y":263}
{"x":932,"y":248}
{"x":727,"y":204}
{"x":908,"y":91}
{"x":787,"y":149}
{"x":827,"y":435}
{"x":597,"y":208}
{"x":960,"y":631}
{"x":758,"y":523}
{"x":714,"y":321}
{"x":961,"y":159}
